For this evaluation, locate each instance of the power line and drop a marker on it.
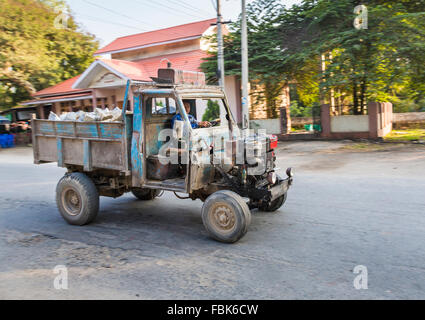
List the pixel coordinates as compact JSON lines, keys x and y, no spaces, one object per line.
{"x":115,"y":12}
{"x":122,"y":15}
{"x":171,"y":9}
{"x":166,"y":9}
{"x":214,"y":5}
{"x":132,"y":19}
{"x":189,"y":6}
{"x":109,"y":22}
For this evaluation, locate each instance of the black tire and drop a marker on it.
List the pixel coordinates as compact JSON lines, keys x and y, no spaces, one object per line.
{"x":77,"y":199}
{"x":274,"y":205}
{"x":234,"y":221}
{"x":145,"y":193}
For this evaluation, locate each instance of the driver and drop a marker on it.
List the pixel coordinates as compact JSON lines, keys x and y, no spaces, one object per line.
{"x":193,"y":122}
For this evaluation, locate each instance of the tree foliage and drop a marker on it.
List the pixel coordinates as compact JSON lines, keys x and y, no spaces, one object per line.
{"x":286,"y":45}
{"x":34,"y":53}
{"x":375,"y":64}
{"x":212,"y":112}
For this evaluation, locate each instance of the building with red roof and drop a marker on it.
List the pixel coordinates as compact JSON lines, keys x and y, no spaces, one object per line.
{"x":137,"y":58}
{"x":185,"y":32}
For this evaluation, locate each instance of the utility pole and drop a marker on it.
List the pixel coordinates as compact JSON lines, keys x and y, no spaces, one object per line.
{"x":245,"y":79}
{"x":220,"y":54}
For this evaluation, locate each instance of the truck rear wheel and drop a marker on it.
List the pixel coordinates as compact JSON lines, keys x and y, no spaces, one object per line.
{"x":77,"y":199}
{"x":145,"y":193}
{"x":274,"y":205}
{"x":226,"y":216}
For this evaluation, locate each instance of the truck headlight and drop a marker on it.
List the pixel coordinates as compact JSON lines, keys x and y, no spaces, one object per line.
{"x":272,"y":177}
{"x":290,"y":172}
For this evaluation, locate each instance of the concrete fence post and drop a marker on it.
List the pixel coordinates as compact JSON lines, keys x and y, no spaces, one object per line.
{"x":325,"y":116}
{"x":388,"y":116}
{"x":380,"y":119}
{"x":285,"y":120}
{"x":373,"y":110}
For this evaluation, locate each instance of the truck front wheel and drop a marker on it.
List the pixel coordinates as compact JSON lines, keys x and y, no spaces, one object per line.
{"x":77,"y":199}
{"x":226,"y":216}
{"x":273,"y":205}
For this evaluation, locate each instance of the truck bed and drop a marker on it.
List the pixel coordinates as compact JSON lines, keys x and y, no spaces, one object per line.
{"x":91,"y":145}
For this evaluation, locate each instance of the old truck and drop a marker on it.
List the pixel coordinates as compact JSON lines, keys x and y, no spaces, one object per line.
{"x":149,"y":151}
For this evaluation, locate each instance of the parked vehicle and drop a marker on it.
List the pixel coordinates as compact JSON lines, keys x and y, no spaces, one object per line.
{"x":229,"y":171}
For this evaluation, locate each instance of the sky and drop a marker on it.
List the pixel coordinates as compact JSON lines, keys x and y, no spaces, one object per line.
{"x":110,"y":19}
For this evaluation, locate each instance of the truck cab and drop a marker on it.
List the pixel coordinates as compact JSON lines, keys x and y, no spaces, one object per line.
{"x":180,"y":137}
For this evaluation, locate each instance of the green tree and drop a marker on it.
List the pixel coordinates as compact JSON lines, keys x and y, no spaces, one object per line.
{"x":371,"y":64}
{"x":34,"y":53}
{"x":286,"y":45}
{"x":264,"y":53}
{"x":212,"y":112}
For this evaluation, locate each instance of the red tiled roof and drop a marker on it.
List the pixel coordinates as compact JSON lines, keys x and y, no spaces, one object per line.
{"x":188,"y":61}
{"x":131,"y":70}
{"x":63,"y":87}
{"x":144,"y":69}
{"x":140,"y":70}
{"x":189,"y":30}
{"x":58,"y":97}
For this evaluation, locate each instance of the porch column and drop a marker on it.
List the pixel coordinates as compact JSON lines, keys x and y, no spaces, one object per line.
{"x":113,"y":101}
{"x":54,"y":108}
{"x":40,"y":111}
{"x":94,"y":100}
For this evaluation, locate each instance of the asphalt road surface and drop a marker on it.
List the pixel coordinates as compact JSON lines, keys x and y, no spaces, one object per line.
{"x":350,"y":205}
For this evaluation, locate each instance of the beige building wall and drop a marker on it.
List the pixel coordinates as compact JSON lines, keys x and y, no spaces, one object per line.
{"x":233,"y":93}
{"x":351,"y":123}
{"x":160,"y":50}
{"x":259,"y":110}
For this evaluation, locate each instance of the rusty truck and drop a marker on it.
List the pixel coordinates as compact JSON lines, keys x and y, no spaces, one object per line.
{"x":145,"y":153}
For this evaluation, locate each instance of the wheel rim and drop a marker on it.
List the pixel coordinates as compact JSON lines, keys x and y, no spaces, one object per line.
{"x":222,"y":217}
{"x":71,"y":202}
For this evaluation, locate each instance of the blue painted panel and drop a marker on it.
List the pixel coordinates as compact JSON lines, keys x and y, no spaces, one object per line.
{"x":153,"y":144}
{"x":87,"y":156}
{"x":136,"y":143}
{"x":65,"y":129}
{"x":157,"y":92}
{"x":46,"y":128}
{"x":87,"y":130}
{"x":60,"y":152}
{"x":110,"y":131}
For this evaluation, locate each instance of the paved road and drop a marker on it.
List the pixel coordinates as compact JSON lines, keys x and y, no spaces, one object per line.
{"x":349,"y":206}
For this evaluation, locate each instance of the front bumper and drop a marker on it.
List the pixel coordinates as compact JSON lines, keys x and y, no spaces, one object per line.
{"x":268,"y":193}
{"x":280,"y":188}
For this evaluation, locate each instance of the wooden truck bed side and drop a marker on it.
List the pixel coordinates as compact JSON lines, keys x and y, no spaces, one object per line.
{"x":92,"y":145}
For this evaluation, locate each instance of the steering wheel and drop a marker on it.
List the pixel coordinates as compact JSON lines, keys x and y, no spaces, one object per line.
{"x":214,"y":123}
